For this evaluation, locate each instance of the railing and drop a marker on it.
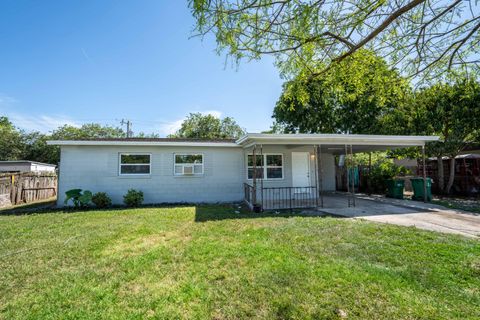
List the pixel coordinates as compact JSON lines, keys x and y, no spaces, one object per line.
{"x":248,"y":191}
{"x":289,"y":198}
{"x":280,"y":198}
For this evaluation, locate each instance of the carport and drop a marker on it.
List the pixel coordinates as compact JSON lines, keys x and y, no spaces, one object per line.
{"x":291,"y":195}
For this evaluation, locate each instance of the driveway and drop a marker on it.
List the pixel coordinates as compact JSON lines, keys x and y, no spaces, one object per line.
{"x":405,"y":213}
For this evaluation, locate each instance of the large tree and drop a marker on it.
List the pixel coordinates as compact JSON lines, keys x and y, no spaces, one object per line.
{"x":452,"y":111}
{"x":354,"y":97}
{"x":425,"y":37}
{"x":11,"y":142}
{"x":208,"y":126}
{"x":36,"y":147}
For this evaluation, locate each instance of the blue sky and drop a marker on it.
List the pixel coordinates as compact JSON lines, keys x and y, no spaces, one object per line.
{"x":100,"y":61}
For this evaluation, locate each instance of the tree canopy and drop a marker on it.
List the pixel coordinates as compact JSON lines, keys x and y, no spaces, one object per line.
{"x":426,"y":37}
{"x":11,"y":146}
{"x":207,"y":126}
{"x":354,"y":97}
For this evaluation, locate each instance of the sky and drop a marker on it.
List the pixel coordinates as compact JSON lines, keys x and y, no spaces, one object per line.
{"x":83,"y":61}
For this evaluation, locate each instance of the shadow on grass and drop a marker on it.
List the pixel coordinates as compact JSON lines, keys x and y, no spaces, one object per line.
{"x":29,"y":208}
{"x":204,"y":213}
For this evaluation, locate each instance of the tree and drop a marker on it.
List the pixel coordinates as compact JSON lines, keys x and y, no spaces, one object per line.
{"x":425,"y":37}
{"x":87,"y":131}
{"x":208,"y":126}
{"x":11,"y":144}
{"x":354,"y":97}
{"x":36,"y":147}
{"x":452,"y":111}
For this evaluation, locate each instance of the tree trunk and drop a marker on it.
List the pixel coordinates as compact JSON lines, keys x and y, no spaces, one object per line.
{"x":451,"y":175}
{"x":441,"y":175}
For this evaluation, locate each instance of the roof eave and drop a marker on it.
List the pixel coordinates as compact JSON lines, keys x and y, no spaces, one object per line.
{"x":139,"y":143}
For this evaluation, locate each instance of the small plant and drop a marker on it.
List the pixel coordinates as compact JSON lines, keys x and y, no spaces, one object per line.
{"x":101,"y":200}
{"x":133,"y":198}
{"x":79,"y":198}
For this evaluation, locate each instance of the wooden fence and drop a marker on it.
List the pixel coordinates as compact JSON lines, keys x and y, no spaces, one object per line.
{"x":26,"y":187}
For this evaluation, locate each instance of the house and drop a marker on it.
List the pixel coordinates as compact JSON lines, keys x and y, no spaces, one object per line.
{"x":16,"y":166}
{"x":274,"y":170}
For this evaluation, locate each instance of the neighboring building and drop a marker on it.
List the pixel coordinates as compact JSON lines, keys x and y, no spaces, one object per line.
{"x":15,"y":166}
{"x":277,"y":166}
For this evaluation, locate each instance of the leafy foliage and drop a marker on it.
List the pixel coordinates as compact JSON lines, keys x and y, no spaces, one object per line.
{"x":133,"y":198}
{"x":426,"y":38}
{"x":79,"y":198}
{"x":383,"y":170}
{"x":101,"y":200}
{"x":355,"y":97}
{"x":11,"y":146}
{"x":208,"y":126}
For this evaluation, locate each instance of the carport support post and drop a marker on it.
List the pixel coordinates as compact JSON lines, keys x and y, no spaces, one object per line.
{"x":254,"y":180}
{"x":424,"y":175}
{"x":320,"y":173}
{"x":353,"y":176}
{"x":261,"y":180}
{"x":348,"y":174}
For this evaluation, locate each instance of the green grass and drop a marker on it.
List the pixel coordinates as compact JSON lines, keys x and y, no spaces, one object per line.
{"x":472,"y":205}
{"x":207,"y":262}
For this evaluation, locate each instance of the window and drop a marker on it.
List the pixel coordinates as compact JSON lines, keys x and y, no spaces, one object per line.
{"x":188,"y":164}
{"x":272,"y":170}
{"x":134,"y":163}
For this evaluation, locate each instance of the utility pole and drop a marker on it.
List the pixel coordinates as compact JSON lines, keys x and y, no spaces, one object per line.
{"x":129,"y":125}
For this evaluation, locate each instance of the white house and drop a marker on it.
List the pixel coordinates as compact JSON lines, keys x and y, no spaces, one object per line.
{"x":26,"y":166}
{"x":268,"y":169}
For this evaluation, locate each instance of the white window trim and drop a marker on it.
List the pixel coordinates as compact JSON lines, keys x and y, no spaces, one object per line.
{"x":134,"y":164}
{"x":265,"y":165}
{"x":188,"y":164}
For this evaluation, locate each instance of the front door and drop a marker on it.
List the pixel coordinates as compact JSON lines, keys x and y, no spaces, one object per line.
{"x":301,"y":171}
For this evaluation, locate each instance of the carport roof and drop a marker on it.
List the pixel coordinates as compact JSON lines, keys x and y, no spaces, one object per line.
{"x":331,"y":142}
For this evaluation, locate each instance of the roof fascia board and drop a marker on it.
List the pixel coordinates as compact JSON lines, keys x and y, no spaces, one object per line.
{"x":140,"y":143}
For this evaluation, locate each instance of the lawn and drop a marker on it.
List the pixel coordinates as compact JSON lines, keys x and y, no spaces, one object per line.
{"x":208,"y":262}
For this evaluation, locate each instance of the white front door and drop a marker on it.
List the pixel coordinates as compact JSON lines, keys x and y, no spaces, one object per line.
{"x":301,"y":171}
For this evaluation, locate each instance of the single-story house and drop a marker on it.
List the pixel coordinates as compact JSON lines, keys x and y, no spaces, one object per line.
{"x":15,"y":166}
{"x":274,"y":170}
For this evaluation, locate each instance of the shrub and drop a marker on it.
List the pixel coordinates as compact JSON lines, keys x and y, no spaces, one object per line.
{"x":133,"y":198}
{"x":79,"y":198}
{"x":101,"y":200}
{"x":382,"y":171}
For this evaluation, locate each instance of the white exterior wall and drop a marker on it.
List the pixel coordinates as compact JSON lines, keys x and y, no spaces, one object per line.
{"x":328,"y":165}
{"x":11,"y":167}
{"x":96,"y":168}
{"x":36,"y":167}
{"x":26,"y":167}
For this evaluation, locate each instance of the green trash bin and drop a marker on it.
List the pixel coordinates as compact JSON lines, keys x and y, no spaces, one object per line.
{"x":395,"y":188}
{"x":418,"y":191}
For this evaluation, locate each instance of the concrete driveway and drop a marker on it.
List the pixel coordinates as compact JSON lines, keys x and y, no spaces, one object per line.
{"x":405,"y":213}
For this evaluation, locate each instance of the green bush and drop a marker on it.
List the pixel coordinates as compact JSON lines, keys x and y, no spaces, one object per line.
{"x":133,"y":198}
{"x":382,"y":171}
{"x":79,"y":198}
{"x":101,"y":200}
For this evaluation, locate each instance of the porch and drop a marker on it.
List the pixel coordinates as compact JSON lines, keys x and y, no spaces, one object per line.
{"x":296,"y":171}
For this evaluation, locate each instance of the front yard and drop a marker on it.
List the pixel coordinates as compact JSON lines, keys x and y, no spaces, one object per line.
{"x":209,"y":262}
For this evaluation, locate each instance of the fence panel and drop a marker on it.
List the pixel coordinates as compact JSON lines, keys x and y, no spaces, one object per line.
{"x":26,"y":187}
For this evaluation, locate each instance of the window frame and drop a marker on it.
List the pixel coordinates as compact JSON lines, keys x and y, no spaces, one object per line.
{"x":120,"y":164}
{"x":183,"y":164}
{"x":265,"y":166}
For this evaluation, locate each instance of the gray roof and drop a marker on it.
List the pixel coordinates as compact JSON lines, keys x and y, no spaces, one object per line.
{"x":26,"y":162}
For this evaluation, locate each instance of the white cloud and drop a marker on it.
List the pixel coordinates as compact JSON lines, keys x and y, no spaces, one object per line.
{"x":6,"y":100}
{"x":42,"y":123}
{"x":166,"y":128}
